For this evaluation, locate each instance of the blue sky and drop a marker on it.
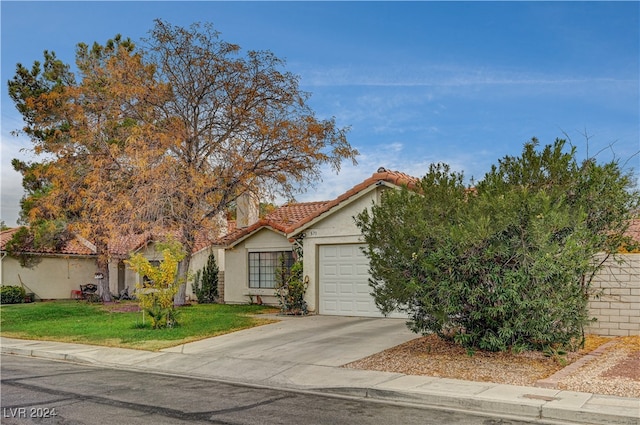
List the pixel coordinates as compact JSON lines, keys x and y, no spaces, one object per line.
{"x":464,"y":83}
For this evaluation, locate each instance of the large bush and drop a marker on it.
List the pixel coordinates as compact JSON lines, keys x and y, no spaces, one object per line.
{"x":507,"y":264}
{"x":11,"y":294}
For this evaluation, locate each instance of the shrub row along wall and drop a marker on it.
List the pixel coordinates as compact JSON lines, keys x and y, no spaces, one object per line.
{"x":616,"y":299}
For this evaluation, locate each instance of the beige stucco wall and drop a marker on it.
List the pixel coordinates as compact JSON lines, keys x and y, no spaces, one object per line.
{"x":55,"y":277}
{"x":52,"y":278}
{"x":236,"y":280}
{"x":198,"y":261}
{"x":616,"y":300}
{"x":337,"y":228}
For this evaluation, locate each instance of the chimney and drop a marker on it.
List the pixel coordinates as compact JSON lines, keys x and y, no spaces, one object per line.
{"x":220,"y":226}
{"x":247,"y":210}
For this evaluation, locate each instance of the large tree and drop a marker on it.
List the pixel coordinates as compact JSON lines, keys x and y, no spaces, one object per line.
{"x":238,"y":123}
{"x":167,"y":137}
{"x":88,"y":130}
{"x":506,"y":264}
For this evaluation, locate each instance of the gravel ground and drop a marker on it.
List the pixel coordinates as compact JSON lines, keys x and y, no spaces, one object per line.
{"x":616,"y":372}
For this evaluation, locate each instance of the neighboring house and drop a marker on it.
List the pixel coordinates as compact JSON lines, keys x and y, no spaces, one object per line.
{"x":325,"y":232}
{"x":59,"y":272}
{"x":56,"y":275}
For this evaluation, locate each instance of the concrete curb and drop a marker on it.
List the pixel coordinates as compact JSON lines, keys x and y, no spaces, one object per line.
{"x":49,"y":355}
{"x":544,"y":413}
{"x":544,"y":410}
{"x":544,"y":405}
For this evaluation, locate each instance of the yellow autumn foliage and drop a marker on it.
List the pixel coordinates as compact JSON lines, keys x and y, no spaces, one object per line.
{"x":155,"y":296}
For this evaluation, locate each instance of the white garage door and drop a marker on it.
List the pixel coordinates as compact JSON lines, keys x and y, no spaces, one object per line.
{"x":344,"y":284}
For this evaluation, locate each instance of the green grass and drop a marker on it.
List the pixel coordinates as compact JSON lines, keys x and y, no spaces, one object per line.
{"x":73,"y":321}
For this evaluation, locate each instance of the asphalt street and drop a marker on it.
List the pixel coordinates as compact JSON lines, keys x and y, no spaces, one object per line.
{"x":38,"y":391}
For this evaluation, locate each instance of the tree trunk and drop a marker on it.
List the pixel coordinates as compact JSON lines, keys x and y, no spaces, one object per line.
{"x":104,"y":283}
{"x":183,"y":268}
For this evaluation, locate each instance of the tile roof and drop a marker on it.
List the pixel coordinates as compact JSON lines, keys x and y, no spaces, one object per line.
{"x":284,"y":219}
{"x":119,"y":247}
{"x":125,"y":244}
{"x":634,"y":229}
{"x":6,"y":235}
{"x":74,"y":246}
{"x":290,"y":217}
{"x":122,"y":245}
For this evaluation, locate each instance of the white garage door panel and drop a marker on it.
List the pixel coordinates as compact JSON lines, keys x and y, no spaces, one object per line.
{"x":344,"y":282}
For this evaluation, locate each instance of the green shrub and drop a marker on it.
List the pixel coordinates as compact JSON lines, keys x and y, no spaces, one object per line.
{"x":290,"y":288}
{"x":205,"y":284}
{"x":12,"y":295}
{"x":507,"y":265}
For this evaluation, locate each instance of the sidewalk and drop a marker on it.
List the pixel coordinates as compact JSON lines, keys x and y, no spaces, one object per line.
{"x":268,"y":366}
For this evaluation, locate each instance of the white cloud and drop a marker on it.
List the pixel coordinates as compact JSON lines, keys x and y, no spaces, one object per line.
{"x":396,"y":146}
{"x":453,"y":75}
{"x":11,"y":184}
{"x":372,"y":158}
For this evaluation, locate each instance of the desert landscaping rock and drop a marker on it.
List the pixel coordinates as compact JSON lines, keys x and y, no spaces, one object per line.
{"x":613,"y":371}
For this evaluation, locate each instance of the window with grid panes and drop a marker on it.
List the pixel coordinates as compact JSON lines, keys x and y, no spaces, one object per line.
{"x":263,"y":265}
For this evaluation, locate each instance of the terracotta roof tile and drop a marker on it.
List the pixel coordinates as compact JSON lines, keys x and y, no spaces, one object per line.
{"x":290,"y":217}
{"x":393,"y":177}
{"x":6,"y":235}
{"x":125,"y":244}
{"x":283,"y":219}
{"x":634,"y":229}
{"x":120,"y":246}
{"x":74,"y":246}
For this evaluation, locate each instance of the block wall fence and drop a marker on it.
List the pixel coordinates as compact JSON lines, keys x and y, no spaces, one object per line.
{"x":615,"y":302}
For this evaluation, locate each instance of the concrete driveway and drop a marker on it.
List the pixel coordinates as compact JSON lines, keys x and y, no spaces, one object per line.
{"x":310,"y":340}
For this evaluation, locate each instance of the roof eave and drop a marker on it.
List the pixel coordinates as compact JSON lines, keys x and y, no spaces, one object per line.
{"x":246,"y":236}
{"x":338,"y":206}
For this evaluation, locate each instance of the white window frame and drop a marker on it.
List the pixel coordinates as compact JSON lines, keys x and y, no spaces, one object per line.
{"x":262,"y":266}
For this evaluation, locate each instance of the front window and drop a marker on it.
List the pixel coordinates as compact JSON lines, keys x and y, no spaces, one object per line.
{"x":263,"y":266}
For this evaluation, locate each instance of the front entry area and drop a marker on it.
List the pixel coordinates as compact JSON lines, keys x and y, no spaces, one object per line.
{"x":344,"y":282}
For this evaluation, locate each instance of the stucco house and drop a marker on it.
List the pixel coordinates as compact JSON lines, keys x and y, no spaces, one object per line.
{"x":337,"y":271}
{"x":59,"y":272}
{"x":330,"y":242}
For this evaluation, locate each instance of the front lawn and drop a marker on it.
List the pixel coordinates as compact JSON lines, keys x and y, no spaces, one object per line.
{"x":116,"y":325}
